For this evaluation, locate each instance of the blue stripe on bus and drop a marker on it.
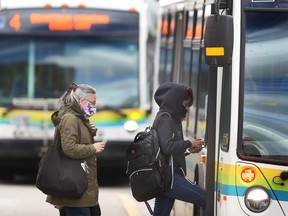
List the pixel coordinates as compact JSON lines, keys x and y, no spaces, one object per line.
{"x":231,"y":190}
{"x":108,"y":124}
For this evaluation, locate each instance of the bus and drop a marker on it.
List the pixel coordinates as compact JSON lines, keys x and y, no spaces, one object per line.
{"x":46,"y":45}
{"x":234,"y":56}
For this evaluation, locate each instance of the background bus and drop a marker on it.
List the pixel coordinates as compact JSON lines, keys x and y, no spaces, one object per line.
{"x":47,"y":45}
{"x":240,"y":106}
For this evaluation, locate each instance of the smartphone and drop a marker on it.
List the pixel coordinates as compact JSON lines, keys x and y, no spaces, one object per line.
{"x":203,"y":143}
{"x":104,"y":141}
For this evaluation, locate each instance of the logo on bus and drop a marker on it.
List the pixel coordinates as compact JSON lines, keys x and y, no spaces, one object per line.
{"x":248,"y":175}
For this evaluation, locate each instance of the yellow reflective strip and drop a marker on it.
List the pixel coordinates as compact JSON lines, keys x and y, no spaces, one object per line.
{"x":214,"y":51}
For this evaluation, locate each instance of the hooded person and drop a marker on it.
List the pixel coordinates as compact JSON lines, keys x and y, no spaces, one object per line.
{"x":170,"y":96}
{"x":176,"y":99}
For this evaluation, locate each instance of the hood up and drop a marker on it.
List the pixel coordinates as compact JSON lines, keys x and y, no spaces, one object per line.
{"x":170,"y":96}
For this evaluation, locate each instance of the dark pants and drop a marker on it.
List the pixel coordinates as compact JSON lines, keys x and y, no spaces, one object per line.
{"x":83,"y":211}
{"x":184,"y":190}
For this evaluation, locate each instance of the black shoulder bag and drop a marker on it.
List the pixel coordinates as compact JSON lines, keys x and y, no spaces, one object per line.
{"x":59,"y":175}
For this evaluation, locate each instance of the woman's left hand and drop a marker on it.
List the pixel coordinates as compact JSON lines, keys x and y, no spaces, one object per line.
{"x":99,"y":146}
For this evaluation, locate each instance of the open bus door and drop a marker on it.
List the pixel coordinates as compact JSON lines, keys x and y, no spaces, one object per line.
{"x":218,"y":45}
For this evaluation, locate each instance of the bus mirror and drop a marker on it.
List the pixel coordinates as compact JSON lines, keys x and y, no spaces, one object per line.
{"x":218,"y":40}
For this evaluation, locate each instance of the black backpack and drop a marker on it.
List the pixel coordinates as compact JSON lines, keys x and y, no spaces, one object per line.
{"x":149,"y":172}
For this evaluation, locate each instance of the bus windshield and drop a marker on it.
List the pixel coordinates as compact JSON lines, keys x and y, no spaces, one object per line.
{"x":265,"y":122}
{"x":43,"y":67}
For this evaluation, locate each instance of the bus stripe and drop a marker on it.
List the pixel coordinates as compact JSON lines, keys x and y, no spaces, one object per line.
{"x":232,"y":190}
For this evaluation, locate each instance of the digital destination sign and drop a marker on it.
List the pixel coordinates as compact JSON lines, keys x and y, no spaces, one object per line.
{"x":63,"y":22}
{"x":55,"y":20}
{"x":66,"y":22}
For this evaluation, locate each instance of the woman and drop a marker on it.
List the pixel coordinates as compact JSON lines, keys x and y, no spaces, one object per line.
{"x":176,"y":99}
{"x":77,"y":104}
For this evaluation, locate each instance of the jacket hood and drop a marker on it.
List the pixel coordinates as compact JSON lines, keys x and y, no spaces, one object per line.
{"x":170,"y":96}
{"x":57,"y":115}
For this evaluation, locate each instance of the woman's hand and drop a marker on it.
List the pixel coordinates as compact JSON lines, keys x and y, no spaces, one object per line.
{"x":196,"y":145}
{"x":99,"y":146}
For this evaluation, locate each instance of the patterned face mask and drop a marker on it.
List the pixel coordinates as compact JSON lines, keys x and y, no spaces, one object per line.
{"x":88,"y":110}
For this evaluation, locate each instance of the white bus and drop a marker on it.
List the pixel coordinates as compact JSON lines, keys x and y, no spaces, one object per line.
{"x":45,"y":45}
{"x":236,"y":63}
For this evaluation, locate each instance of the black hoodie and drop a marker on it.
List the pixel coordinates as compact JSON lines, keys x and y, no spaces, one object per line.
{"x":169,"y":97}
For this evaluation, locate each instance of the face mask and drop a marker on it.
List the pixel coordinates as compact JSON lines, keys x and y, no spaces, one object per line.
{"x":88,"y":110}
{"x":183,"y":112}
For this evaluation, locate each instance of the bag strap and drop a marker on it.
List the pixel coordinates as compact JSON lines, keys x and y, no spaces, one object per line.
{"x":156,"y":122}
{"x":149,"y":207}
{"x":157,"y":119}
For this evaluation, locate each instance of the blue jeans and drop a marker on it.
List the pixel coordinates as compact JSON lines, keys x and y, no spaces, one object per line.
{"x":184,"y":190}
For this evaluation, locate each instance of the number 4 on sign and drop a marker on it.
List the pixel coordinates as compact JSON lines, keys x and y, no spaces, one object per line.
{"x":15,"y":22}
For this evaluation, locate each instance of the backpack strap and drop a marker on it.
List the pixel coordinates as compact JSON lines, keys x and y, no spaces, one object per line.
{"x":155,"y":125}
{"x":149,"y":207}
{"x":157,"y":119}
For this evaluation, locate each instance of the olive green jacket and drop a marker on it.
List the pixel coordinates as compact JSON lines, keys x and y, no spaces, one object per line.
{"x":68,"y":126}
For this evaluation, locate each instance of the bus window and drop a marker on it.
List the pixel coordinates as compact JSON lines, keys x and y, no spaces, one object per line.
{"x":190,"y":30}
{"x":202,"y":97}
{"x":186,"y":69}
{"x":193,"y":83}
{"x":163,"y":48}
{"x":202,"y":88}
{"x":166,"y":50}
{"x":196,"y":64}
{"x":54,"y":63}
{"x":178,"y":46}
{"x":198,"y":29}
{"x":266,"y":86}
{"x":172,"y":26}
{"x":170,"y":48}
{"x":164,"y":27}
